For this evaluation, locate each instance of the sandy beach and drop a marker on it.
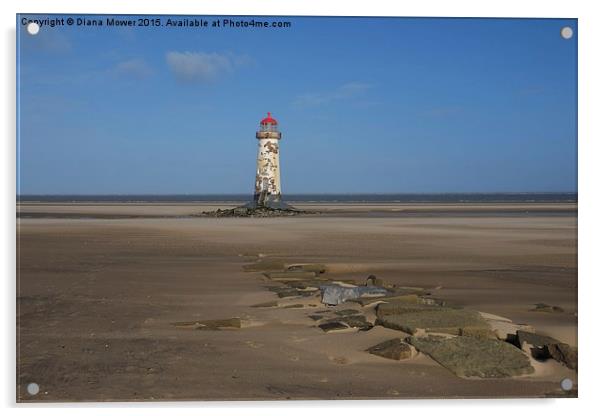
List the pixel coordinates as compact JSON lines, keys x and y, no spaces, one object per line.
{"x":100,"y":286}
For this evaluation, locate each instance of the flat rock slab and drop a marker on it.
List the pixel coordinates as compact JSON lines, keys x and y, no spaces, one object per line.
{"x":270,"y":304}
{"x":436,"y":319}
{"x":211,"y":324}
{"x":474,"y":357}
{"x":544,"y":307}
{"x":332,"y":326}
{"x":347,"y":312}
{"x":265,"y":265}
{"x":294,"y":306}
{"x":306,"y":284}
{"x":307,"y":267}
{"x":397,"y":307}
{"x":394,"y":349}
{"x":478,"y":332}
{"x":290,"y":276}
{"x":408,"y":298}
{"x":288,"y":292}
{"x":351,"y":321}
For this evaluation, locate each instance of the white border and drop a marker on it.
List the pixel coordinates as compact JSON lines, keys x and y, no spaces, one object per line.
{"x":589,"y":35}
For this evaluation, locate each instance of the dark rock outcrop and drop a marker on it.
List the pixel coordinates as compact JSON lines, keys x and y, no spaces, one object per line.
{"x":542,"y":347}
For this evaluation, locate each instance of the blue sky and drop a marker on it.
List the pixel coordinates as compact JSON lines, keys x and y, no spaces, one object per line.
{"x":380,"y":105}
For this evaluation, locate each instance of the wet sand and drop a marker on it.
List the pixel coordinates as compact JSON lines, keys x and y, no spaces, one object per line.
{"x":100,"y":285}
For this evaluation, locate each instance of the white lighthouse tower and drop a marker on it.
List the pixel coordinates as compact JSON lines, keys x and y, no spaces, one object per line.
{"x":268,"y":193}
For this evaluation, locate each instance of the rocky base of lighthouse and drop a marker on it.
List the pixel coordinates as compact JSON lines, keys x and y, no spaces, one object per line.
{"x":249,"y":211}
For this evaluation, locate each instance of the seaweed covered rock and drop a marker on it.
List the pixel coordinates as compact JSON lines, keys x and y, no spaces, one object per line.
{"x":431,"y":319}
{"x":474,"y":357}
{"x":253,"y":212}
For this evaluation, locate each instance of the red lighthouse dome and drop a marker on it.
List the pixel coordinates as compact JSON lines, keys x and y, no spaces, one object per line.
{"x":269,"y":119}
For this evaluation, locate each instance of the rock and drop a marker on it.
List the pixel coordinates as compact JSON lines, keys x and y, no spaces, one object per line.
{"x":335,"y":294}
{"x":503,"y":328}
{"x":398,"y":307}
{"x":562,"y":353}
{"x":294,"y":306}
{"x":443,"y":320}
{"x":411,"y":298}
{"x":372,"y":292}
{"x":432,"y":301}
{"x":290,"y":276}
{"x":316,"y":317}
{"x":270,"y":304}
{"x":506,"y":331}
{"x":356,"y":321}
{"x":543,"y":307}
{"x":531,"y":338}
{"x":474,"y":357}
{"x":306,"y":285}
{"x":394,"y":349}
{"x":410,"y":290}
{"x":346,"y":312}
{"x":478,"y":332}
{"x":374,"y":281}
{"x":265,"y":264}
{"x":387,"y":298}
{"x":308,"y":267}
{"x":332,"y":326}
{"x":253,"y":212}
{"x":211,"y":325}
{"x":287,"y":292}
{"x":352,"y":321}
{"x":542,"y":347}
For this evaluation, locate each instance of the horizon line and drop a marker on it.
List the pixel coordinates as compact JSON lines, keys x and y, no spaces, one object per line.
{"x":303,"y":193}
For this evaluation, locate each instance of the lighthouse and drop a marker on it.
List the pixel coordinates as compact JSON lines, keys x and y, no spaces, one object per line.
{"x":268,"y":193}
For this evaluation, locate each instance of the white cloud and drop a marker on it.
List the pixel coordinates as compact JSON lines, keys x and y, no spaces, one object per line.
{"x":344,"y":92}
{"x":136,"y":68}
{"x":201,"y":66}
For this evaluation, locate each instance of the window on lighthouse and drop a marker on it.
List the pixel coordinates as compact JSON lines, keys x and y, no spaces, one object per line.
{"x":268,"y":127}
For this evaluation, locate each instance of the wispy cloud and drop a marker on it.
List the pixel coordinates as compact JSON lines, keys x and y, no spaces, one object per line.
{"x":344,"y":92}
{"x":136,"y":68}
{"x":202,"y":67}
{"x":48,"y":41}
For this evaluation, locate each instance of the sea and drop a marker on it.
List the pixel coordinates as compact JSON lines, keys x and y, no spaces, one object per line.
{"x":515,"y":197}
